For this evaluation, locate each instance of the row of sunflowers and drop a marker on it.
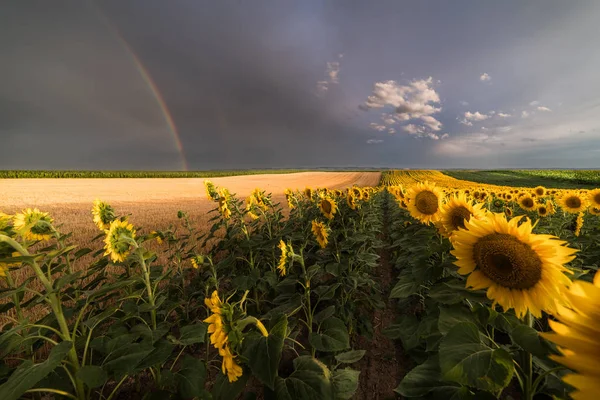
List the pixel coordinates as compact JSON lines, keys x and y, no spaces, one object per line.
{"x":497,"y":288}
{"x":268,"y":299}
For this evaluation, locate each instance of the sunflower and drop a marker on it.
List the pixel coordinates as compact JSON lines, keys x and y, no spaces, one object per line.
{"x":118,"y":237}
{"x":527,"y":203}
{"x":320,"y":231}
{"x":211,"y":191}
{"x":578,"y":224}
{"x":357,"y":192}
{"x":542,"y":210}
{"x":284,"y":259}
{"x":308,"y":193}
{"x":594,"y":198}
{"x":216,"y":326}
{"x":289,"y":196}
{"x":594,"y":210}
{"x":33,"y":224}
{"x":498,"y":203}
{"x":250,"y":202}
{"x":4,"y":221}
{"x":539,"y":191}
{"x":572,"y":202}
{"x":103,"y":214}
{"x":351,"y":201}
{"x":577,"y":333}
{"x":365,"y":195}
{"x":519,"y":269}
{"x":229,"y":366}
{"x":508,"y":197}
{"x":328,"y":207}
{"x":424,"y":201}
{"x":458,"y":210}
{"x":197,"y":261}
{"x":224,"y":208}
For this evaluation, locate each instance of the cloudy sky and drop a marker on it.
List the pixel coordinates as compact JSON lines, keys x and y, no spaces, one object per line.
{"x":195,"y":84}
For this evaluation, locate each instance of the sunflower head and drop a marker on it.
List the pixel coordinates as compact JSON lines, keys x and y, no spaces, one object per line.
{"x":357,"y":192}
{"x":519,"y":269}
{"x":351,"y":201}
{"x":498,"y":203}
{"x":118,"y":240}
{"x":456,"y":212}
{"x":284,"y":259}
{"x":594,"y":198}
{"x":291,"y":199}
{"x":527,"y":202}
{"x":103,"y":214}
{"x":308,"y":192}
{"x":33,"y":224}
{"x":211,"y":191}
{"x":542,"y":210}
{"x":594,"y":210}
{"x":573,"y":202}
{"x":197,"y":261}
{"x":424,"y":201}
{"x":224,"y":208}
{"x":328,"y":207}
{"x":539,"y":191}
{"x":320,"y":232}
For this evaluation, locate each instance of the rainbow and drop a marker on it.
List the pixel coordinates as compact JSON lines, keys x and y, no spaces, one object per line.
{"x":149,"y":82}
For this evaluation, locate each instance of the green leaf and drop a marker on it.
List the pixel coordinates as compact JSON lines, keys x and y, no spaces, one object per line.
{"x":191,"y":377}
{"x":161,"y":353}
{"x":124,"y":360}
{"x":406,"y":329}
{"x":424,"y":379}
{"x":450,"y":316}
{"x":311,"y":380}
{"x":324,"y":314}
{"x":191,"y":334}
{"x":326,"y":292}
{"x":345,"y":383}
{"x":28,"y":374}
{"x":264,"y":353}
{"x":405,"y":287}
{"x":351,"y":356}
{"x":466,"y":359}
{"x":225,"y":390}
{"x":333,"y":336}
{"x":92,"y":375}
{"x":529,"y":340}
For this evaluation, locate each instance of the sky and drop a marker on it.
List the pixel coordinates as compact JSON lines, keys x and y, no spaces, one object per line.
{"x":198,"y":84}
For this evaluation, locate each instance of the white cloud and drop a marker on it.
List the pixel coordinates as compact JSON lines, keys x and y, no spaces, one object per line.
{"x":374,"y":141}
{"x":485,"y":77}
{"x":377,"y":127}
{"x":389,"y":121}
{"x":542,"y":108}
{"x":524,"y":114}
{"x":534,"y":103}
{"x":391,"y":131}
{"x":463,"y":103}
{"x":433,"y":136}
{"x":445,"y":135}
{"x":503,"y":115}
{"x":470,"y":117}
{"x":415,"y":100}
{"x":412,"y":129}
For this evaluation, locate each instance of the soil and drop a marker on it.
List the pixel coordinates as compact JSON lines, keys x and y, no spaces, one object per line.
{"x":385,"y":363}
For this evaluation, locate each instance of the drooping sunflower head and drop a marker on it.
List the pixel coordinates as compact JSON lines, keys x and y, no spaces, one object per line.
{"x":320,"y":232}
{"x":308,"y":192}
{"x":594,"y":198}
{"x":211,"y":191}
{"x":456,"y":212}
{"x":577,"y":334}
{"x":540,"y":191}
{"x":33,"y":224}
{"x":284,"y":258}
{"x":224,"y":208}
{"x":519,"y":269}
{"x":118,"y":240}
{"x":424,"y":202}
{"x":351,"y":200}
{"x":328,"y":207}
{"x":291,"y":199}
{"x":572,"y":202}
{"x":103,"y":214}
{"x":527,"y":202}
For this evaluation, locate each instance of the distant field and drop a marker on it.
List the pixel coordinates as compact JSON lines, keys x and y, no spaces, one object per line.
{"x":16,"y":174}
{"x":565,"y":179}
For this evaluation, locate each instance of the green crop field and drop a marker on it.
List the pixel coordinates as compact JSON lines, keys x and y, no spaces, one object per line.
{"x":567,"y":179}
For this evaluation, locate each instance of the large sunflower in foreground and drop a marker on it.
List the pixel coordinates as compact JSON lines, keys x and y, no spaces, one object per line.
{"x":519,"y":269}
{"x":578,"y":335}
{"x":456,"y":212}
{"x":424,"y":202}
{"x":572,"y":202}
{"x":117,"y":241}
{"x":320,"y":231}
{"x":33,"y":224}
{"x":328,"y":207}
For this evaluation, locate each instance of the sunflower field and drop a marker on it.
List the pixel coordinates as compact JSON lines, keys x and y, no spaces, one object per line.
{"x":492,"y":295}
